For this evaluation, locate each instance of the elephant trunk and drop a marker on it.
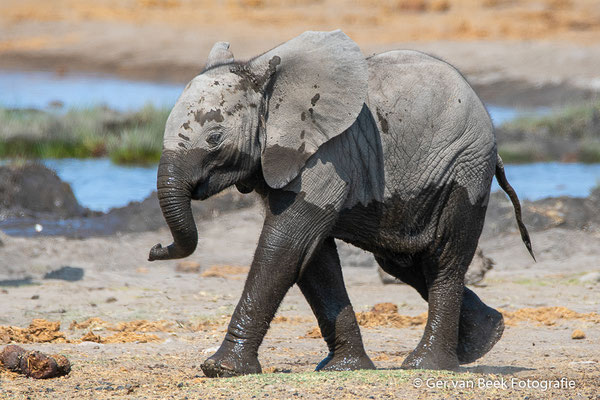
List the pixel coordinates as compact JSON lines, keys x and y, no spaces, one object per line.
{"x":174,"y":195}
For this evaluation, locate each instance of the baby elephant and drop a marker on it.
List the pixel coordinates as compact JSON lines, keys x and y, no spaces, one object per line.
{"x":392,"y":153}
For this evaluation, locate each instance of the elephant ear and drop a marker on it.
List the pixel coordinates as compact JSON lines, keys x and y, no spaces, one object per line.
{"x":219,"y":54}
{"x":319,"y":86}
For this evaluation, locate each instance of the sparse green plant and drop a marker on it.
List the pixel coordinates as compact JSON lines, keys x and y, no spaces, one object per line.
{"x":130,"y":138}
{"x":519,"y":153}
{"x":576,"y":122}
{"x":589,"y":152}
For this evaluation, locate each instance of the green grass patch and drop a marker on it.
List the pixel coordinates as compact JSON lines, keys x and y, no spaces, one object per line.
{"x":346,"y":384}
{"x":127,"y":138}
{"x":575,"y":122}
{"x":589,"y":153}
{"x":520,"y":153}
{"x":136,"y":137}
{"x":532,"y":282}
{"x":569,"y":134}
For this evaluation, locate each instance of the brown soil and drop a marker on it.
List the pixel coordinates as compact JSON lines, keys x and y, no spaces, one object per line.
{"x":188,"y":267}
{"x":386,"y":314}
{"x":547,"y":315}
{"x":544,"y":302}
{"x":122,"y":337}
{"x":224,"y":271}
{"x":313,"y":333}
{"x":39,"y":331}
{"x":381,"y":315}
{"x":131,"y":326}
{"x":515,"y":52}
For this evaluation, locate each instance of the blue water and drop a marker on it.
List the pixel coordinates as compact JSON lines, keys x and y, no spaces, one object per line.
{"x":39,"y":89}
{"x":100,"y":185}
{"x":539,"y":180}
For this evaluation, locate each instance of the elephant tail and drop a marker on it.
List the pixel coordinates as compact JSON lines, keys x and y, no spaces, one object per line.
{"x":503,"y":182}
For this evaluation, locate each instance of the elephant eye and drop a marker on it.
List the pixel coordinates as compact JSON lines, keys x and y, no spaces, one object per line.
{"x":214,"y":139}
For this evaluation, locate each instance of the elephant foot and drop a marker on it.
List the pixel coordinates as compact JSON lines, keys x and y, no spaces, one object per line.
{"x":223,"y":365}
{"x":421,"y":358}
{"x":480,"y":329}
{"x":341,"y":361}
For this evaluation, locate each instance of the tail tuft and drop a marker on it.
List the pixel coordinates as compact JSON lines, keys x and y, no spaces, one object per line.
{"x":503,"y":182}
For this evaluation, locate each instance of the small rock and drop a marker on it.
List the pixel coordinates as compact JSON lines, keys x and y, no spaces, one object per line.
{"x":480,"y":265}
{"x":111,"y":300}
{"x":188,"y":267}
{"x":210,"y":350}
{"x":592,"y":277}
{"x":588,"y":362}
{"x":35,"y":297}
{"x":578,"y":334}
{"x":38,"y":228}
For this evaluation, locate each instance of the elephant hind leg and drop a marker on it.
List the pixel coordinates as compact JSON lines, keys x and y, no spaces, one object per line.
{"x":322,"y":284}
{"x":438,"y":346}
{"x":460,"y":327}
{"x":479,"y":330}
{"x":480,"y":326}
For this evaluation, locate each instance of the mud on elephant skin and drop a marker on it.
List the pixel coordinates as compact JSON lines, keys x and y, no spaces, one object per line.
{"x":393,"y":153}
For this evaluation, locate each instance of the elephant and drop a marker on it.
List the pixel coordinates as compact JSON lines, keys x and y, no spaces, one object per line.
{"x":393,"y":153}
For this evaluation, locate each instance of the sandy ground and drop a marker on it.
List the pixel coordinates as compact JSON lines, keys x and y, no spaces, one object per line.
{"x":516,"y":52}
{"x":118,"y":286}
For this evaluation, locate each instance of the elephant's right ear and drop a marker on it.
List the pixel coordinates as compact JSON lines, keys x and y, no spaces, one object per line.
{"x":316,"y":84}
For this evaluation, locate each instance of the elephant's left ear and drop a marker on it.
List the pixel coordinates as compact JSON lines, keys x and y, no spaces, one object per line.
{"x":219,"y":54}
{"x":317,"y":86}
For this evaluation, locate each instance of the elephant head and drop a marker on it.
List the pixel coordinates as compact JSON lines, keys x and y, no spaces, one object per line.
{"x":264,"y":117}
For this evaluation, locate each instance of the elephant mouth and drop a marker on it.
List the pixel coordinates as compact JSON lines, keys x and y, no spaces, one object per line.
{"x":200,"y":191}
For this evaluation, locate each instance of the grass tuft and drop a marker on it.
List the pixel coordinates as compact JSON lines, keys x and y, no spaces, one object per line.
{"x":570,"y":134}
{"x":573,"y":122}
{"x":127,"y":138}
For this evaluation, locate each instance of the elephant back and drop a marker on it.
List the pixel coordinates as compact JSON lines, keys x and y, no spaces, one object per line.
{"x":434,"y":129}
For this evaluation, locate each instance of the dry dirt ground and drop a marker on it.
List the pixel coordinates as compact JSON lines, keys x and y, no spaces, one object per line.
{"x":518,"y":52}
{"x":156,"y":323}
{"x":184,"y":309}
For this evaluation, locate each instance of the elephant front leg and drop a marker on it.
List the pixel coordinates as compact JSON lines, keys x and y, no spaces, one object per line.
{"x":322,"y":284}
{"x":273,"y":271}
{"x":293,"y":230}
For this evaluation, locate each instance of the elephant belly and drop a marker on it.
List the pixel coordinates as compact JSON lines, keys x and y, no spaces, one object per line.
{"x":393,"y":226}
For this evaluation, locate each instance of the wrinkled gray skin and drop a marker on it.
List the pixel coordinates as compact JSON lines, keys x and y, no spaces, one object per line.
{"x":393,"y":153}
